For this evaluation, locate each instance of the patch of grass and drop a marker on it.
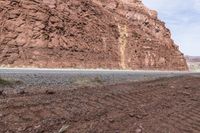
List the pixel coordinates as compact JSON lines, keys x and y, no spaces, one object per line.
{"x":87,"y":81}
{"x":7,"y":82}
{"x":4,"y":82}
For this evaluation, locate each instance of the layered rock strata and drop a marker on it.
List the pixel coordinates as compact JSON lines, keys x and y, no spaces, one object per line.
{"x":114,"y":34}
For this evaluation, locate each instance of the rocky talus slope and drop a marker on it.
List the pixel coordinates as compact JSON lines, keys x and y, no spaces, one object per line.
{"x":117,"y":34}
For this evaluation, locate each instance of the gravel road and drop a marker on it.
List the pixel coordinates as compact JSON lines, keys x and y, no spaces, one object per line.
{"x":69,"y":77}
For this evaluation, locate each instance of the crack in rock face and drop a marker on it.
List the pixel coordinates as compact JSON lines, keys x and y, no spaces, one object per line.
{"x":110,"y":34}
{"x":122,"y":44}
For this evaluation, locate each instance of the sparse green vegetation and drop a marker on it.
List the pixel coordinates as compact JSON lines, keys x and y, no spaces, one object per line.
{"x":87,"y":81}
{"x":4,"y":82}
{"x":8,"y":82}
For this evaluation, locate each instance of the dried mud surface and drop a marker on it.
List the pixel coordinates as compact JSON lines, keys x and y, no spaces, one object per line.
{"x":165,"y":105}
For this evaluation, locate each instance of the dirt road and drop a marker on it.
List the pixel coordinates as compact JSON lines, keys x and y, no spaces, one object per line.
{"x":166,"y":105}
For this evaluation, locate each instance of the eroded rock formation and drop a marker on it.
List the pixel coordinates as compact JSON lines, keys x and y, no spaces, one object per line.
{"x":119,"y":34}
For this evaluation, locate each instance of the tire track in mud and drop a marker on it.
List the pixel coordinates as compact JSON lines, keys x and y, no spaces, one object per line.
{"x":185,"y":121}
{"x":154,"y":105}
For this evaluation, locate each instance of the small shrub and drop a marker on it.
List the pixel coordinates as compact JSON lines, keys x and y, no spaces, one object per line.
{"x":98,"y":80}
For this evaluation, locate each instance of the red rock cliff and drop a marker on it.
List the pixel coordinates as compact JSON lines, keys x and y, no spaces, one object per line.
{"x":120,"y":34}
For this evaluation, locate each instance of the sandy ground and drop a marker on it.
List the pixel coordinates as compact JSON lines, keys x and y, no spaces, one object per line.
{"x":165,"y":105}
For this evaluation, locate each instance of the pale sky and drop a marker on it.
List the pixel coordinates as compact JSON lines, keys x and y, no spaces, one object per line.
{"x":182,"y":17}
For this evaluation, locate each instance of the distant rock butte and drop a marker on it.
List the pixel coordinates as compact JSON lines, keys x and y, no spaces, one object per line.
{"x":114,"y":34}
{"x":192,"y":58}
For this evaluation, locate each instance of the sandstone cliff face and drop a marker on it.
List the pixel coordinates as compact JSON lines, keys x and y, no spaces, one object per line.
{"x":118,"y":34}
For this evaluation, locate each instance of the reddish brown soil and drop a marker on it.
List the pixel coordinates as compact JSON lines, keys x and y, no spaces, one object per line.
{"x":167,"y":105}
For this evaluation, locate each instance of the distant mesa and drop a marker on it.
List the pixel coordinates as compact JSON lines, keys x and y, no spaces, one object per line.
{"x":114,"y":34}
{"x":192,"y":58}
